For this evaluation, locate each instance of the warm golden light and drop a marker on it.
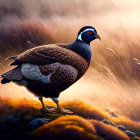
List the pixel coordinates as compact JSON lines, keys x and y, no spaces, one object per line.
{"x":113,"y":79}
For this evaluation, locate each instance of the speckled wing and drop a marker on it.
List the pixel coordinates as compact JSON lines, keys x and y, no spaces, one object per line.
{"x":39,"y":55}
{"x":50,"y":54}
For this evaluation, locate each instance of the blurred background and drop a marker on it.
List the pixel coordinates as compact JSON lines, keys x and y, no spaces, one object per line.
{"x":113,"y":80}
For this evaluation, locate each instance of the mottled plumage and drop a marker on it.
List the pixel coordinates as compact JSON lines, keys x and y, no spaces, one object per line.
{"x":49,"y":69}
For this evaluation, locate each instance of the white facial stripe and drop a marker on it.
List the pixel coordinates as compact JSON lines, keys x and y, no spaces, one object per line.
{"x":80,"y":35}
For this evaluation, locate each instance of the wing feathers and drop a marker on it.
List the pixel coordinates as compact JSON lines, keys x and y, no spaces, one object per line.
{"x":39,"y":55}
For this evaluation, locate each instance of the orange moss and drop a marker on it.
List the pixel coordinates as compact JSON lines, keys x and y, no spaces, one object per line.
{"x":67,"y":127}
{"x":88,"y":111}
{"x":129,"y":124}
{"x":22,"y":106}
{"x":108,"y":131}
{"x":25,"y":106}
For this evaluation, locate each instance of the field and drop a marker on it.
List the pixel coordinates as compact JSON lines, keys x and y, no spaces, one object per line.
{"x":85,"y":123}
{"x":113,"y":79}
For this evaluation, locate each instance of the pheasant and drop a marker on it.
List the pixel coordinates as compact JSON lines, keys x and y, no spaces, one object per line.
{"x":48,"y":70}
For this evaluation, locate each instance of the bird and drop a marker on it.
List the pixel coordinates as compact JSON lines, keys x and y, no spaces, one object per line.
{"x":48,"y":70}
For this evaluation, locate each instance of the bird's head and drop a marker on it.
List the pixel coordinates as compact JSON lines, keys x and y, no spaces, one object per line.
{"x":87,"y":34}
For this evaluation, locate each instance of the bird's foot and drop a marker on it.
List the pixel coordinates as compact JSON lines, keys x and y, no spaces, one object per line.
{"x":44,"y":109}
{"x":65,"y":111}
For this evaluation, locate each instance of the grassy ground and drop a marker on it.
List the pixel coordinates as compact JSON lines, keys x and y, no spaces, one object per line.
{"x":86,"y":122}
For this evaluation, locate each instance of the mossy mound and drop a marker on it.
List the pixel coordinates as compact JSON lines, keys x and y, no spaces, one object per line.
{"x":86,"y":122}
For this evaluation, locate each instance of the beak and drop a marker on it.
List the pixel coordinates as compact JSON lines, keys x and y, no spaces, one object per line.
{"x":98,"y":37}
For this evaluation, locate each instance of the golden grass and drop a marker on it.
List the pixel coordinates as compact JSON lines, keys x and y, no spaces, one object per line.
{"x":25,"y":35}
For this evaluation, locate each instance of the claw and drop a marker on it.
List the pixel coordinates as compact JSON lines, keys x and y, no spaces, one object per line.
{"x":53,"y":111}
{"x":65,"y":111}
{"x":60,"y":109}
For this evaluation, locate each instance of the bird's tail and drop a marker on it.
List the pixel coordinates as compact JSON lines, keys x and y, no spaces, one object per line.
{"x":5,"y":80}
{"x":14,"y":74}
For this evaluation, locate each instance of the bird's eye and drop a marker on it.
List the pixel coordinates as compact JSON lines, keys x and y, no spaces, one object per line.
{"x":90,"y":32}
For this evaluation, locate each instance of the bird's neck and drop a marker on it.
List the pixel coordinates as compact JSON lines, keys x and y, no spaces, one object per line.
{"x":82,"y":49}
